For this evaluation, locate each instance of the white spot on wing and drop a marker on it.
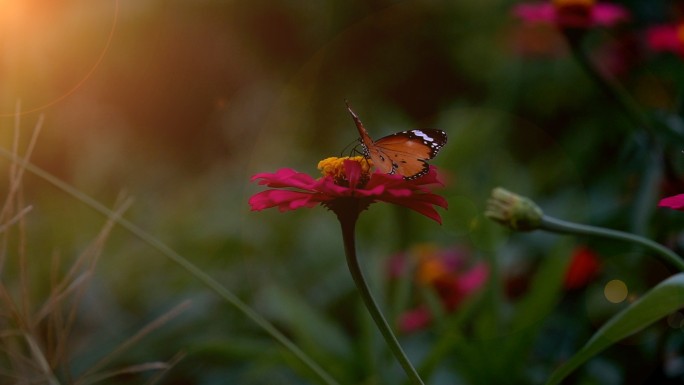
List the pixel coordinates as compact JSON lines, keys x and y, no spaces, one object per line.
{"x":423,"y":135}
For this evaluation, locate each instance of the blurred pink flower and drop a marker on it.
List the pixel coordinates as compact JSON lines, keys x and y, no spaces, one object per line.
{"x":668,"y":37}
{"x":675,"y":202}
{"x":449,"y":273}
{"x":416,"y":319}
{"x":347,"y":183}
{"x":572,"y":14}
{"x":583,"y":268}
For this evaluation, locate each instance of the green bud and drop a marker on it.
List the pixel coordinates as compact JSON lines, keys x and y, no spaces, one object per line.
{"x":512,"y":210}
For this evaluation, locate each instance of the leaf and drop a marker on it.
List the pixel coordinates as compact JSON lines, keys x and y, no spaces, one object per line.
{"x":665,"y":298}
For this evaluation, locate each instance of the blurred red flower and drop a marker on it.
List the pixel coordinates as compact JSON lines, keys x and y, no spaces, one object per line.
{"x":584,"y":267}
{"x":668,"y":38}
{"x":347,"y":183}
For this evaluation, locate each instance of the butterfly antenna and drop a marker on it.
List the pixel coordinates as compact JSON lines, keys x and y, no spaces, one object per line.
{"x":353,"y":150}
{"x":362,"y":130}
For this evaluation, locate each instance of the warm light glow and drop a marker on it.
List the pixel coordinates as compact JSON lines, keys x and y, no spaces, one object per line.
{"x":49,"y":49}
{"x":12,"y":13}
{"x":615,"y":291}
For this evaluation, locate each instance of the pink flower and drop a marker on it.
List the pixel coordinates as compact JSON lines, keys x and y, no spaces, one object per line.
{"x":572,"y":14}
{"x":674,"y":202}
{"x":449,"y":274}
{"x":669,"y":38}
{"x":347,"y":184}
{"x":583,"y":268}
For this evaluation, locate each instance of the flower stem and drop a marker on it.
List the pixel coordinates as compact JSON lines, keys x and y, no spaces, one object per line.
{"x":560,"y":226}
{"x":612,"y":90}
{"x":647,"y":194}
{"x":348,"y":222}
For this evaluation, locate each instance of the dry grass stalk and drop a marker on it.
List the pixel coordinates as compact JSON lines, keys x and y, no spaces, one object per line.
{"x":35,"y":340}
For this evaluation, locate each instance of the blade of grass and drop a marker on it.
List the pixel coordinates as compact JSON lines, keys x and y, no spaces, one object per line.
{"x":57,"y":295}
{"x":15,"y":172}
{"x":149,"y":366}
{"x":19,"y":311}
{"x":40,"y":359}
{"x":171,"y":363}
{"x":184,"y":263}
{"x":15,"y":219}
{"x":14,"y":202}
{"x":149,"y":328}
{"x":64,"y":325}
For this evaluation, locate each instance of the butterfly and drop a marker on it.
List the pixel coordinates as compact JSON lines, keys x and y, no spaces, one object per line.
{"x":405,"y":153}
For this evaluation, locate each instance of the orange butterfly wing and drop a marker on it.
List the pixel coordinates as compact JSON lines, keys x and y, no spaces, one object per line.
{"x":404,"y":153}
{"x":408,"y":151}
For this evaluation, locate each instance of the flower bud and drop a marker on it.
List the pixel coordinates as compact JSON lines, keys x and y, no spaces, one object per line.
{"x":512,"y":210}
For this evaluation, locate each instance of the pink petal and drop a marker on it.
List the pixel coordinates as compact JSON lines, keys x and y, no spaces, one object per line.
{"x":432,"y":199}
{"x":674,"y":202}
{"x":387,"y":180}
{"x":328,"y":186}
{"x":424,"y":208}
{"x":400,"y":193}
{"x":352,"y":170}
{"x":283,"y":199}
{"x":431,"y":178}
{"x":285,"y":177}
{"x":381,"y":187}
{"x":397,"y":181}
{"x":422,"y":203}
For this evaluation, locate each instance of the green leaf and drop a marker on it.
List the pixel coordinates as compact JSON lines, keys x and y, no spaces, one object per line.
{"x":665,"y":298}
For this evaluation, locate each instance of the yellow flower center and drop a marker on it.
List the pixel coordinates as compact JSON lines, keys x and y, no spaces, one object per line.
{"x":565,"y":3}
{"x":334,"y":167}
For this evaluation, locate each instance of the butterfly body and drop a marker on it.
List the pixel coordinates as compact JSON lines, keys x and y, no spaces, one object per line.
{"x":405,"y":153}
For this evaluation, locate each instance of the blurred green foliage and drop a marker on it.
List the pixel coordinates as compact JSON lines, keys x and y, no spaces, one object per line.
{"x":177,"y":103}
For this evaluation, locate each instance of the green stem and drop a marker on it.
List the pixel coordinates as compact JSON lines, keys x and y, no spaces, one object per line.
{"x":559,"y":226}
{"x":188,"y":266}
{"x":644,"y":202}
{"x":348,"y":222}
{"x":612,"y":90}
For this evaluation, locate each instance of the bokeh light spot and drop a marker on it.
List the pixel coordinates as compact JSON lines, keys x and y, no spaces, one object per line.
{"x":615,"y":291}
